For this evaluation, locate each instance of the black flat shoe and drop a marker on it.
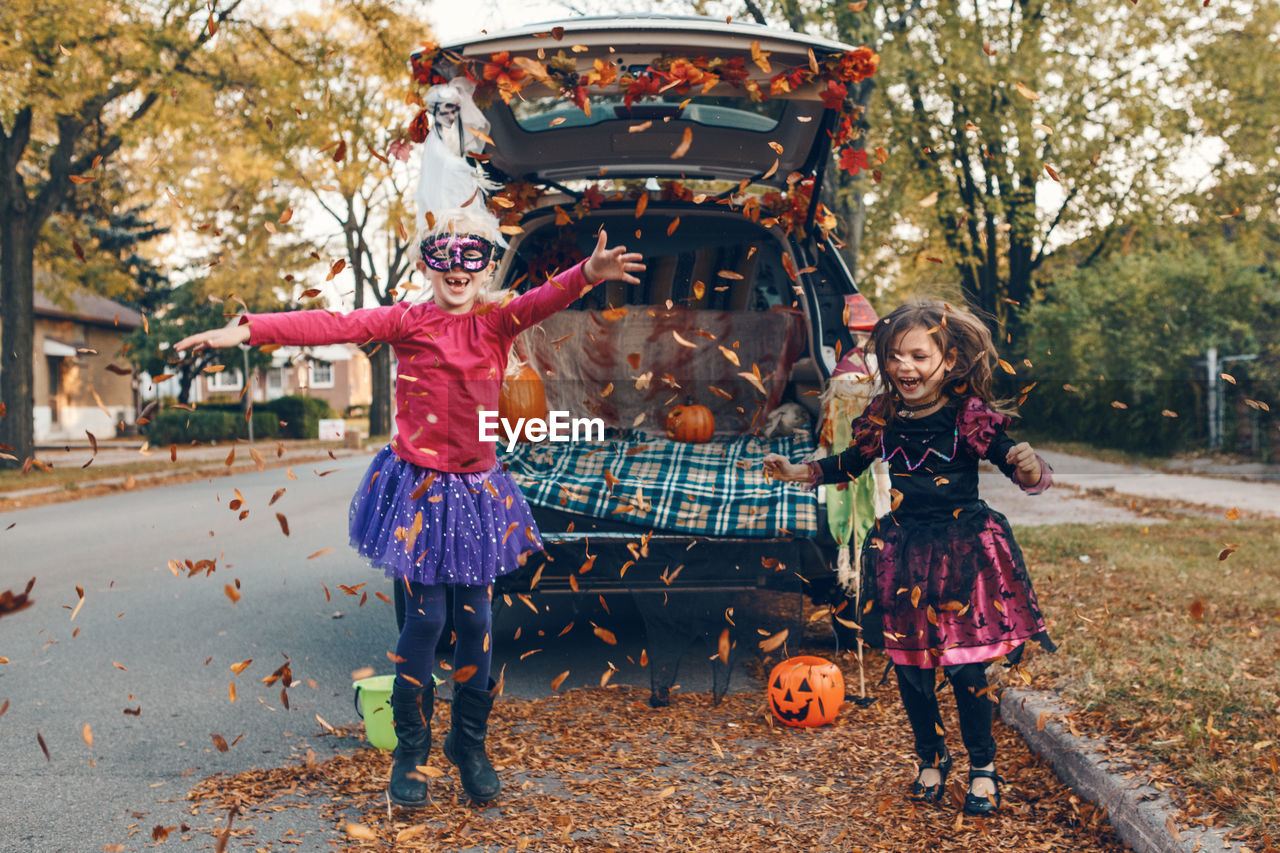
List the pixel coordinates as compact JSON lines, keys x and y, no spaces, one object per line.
{"x":979,"y":806}
{"x":932,"y":793}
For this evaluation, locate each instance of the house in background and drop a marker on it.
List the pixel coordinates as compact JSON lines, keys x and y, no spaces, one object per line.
{"x":338,"y":374}
{"x":73,"y":390}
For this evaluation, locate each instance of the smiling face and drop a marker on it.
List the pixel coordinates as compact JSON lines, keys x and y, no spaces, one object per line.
{"x":458,"y":267}
{"x":917,"y":367}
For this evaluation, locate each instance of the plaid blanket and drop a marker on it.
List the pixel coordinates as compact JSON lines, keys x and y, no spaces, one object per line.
{"x":717,"y":488}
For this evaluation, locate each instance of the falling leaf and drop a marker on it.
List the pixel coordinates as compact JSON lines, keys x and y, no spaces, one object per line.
{"x":915,"y":596}
{"x":681,"y":341}
{"x":930,"y":200}
{"x":754,"y":379}
{"x":723,"y":646}
{"x":464,"y":674}
{"x":1196,"y":610}
{"x":220,"y":742}
{"x":774,"y":641}
{"x":683,"y":147}
{"x":605,"y":634}
{"x":558,"y":680}
{"x":240,"y":667}
{"x":232,"y":593}
{"x":87,"y":734}
{"x":1026,"y":92}
{"x":671,"y":229}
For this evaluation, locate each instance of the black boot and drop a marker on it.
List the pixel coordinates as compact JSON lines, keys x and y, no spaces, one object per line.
{"x":464,"y":745}
{"x":411,"y":709}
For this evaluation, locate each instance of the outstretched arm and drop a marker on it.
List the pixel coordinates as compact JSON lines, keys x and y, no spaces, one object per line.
{"x":536,"y":305}
{"x":781,"y":468}
{"x":614,"y":264}
{"x":1028,"y":468}
{"x":230,"y":335}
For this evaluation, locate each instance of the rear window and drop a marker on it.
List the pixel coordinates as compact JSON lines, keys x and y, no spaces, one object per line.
{"x":535,"y":115}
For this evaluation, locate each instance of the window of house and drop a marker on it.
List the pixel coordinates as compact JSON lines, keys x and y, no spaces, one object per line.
{"x":321,"y":374}
{"x":275,"y":380}
{"x":226,"y":380}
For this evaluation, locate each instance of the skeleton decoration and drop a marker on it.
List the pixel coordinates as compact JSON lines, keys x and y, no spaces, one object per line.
{"x":447,"y":181}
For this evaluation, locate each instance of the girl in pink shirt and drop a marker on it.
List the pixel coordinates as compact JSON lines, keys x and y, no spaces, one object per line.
{"x":435,"y":508}
{"x":949,"y":578}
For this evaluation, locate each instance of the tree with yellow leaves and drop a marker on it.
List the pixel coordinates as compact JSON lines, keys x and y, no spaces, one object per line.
{"x":77,"y":81}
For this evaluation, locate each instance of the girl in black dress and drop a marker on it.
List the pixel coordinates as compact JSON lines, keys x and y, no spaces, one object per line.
{"x":950,"y":580}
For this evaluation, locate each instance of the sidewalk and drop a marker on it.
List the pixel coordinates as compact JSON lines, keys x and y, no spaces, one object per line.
{"x":212,"y":459}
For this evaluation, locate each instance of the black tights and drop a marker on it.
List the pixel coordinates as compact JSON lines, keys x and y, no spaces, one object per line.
{"x":917,"y":688}
{"x":424,"y":620}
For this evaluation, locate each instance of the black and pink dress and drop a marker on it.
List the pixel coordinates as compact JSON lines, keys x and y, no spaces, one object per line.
{"x":950,"y":580}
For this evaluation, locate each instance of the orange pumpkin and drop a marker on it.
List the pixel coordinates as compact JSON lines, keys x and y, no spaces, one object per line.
{"x":522,"y":396}
{"x":691,"y":422}
{"x":806,"y":691}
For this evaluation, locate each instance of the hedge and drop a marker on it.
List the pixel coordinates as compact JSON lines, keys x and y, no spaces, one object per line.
{"x":284,"y":417}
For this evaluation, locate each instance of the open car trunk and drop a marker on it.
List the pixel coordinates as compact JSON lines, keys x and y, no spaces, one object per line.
{"x":715,"y":321}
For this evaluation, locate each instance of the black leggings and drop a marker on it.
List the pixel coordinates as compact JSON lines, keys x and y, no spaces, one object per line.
{"x":424,"y":618}
{"x":917,"y":688}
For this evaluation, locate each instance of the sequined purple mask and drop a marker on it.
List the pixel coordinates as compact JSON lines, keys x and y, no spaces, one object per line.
{"x":445,"y":251}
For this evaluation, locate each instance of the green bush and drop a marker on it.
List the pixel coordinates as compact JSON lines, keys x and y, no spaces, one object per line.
{"x":301,"y":415}
{"x":1114,"y":346}
{"x":177,"y":426}
{"x":284,"y":417}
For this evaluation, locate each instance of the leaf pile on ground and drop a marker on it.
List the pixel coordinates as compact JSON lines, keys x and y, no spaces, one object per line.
{"x":598,"y":769}
{"x":1169,"y":638}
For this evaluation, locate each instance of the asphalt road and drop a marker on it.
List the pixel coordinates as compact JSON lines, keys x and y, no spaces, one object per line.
{"x":148,"y":641}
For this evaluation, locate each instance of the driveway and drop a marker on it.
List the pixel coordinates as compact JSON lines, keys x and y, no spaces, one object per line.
{"x":1089,"y":491}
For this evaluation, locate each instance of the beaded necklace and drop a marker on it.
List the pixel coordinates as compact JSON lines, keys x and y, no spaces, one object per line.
{"x":955,"y":442}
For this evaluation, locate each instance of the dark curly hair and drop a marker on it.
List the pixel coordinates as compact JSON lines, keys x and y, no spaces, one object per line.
{"x":955,"y":331}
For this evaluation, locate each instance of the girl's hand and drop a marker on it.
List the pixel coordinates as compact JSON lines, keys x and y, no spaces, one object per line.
{"x":1028,"y":463}
{"x":781,"y":468}
{"x":227,"y":336}
{"x":614,"y":264}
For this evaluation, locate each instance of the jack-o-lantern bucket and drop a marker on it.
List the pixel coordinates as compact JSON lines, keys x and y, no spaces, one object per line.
{"x":806,"y":691}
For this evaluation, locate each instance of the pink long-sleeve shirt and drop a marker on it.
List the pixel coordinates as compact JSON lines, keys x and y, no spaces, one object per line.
{"x":450,"y":365}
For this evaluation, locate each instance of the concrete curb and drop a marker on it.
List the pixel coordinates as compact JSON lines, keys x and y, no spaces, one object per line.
{"x":1141,"y":814}
{"x":162,"y":478}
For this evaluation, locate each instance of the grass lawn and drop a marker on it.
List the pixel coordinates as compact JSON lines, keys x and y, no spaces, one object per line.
{"x":1169,"y":636}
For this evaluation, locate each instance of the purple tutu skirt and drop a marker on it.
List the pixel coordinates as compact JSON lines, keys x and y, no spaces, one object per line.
{"x":435,"y":527}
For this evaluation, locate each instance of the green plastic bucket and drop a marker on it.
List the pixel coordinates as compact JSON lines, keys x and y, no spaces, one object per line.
{"x":373,"y":704}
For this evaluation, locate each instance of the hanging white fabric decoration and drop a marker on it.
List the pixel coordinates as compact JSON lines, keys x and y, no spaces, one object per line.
{"x":447,"y":181}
